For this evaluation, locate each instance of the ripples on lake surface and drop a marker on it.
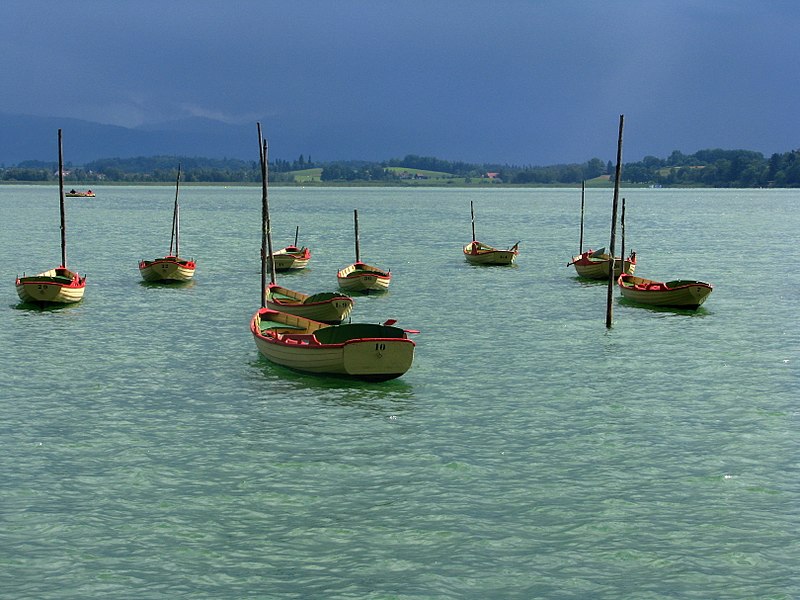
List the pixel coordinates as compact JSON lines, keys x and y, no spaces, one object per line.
{"x":149,"y":451}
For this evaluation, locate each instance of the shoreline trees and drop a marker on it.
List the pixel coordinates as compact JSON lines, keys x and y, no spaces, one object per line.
{"x":705,"y":168}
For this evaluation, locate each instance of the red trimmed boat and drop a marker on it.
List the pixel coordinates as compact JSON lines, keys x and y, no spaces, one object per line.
{"x":596,"y":264}
{"x":680,"y":293}
{"x":361,"y":277}
{"x":478,"y":253}
{"x":292,"y":257}
{"x":170,"y":268}
{"x":368,"y":351}
{"x":327,"y":307}
{"x":59,"y":285}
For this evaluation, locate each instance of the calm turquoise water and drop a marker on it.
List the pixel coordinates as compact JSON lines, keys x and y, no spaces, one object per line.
{"x":148,"y":451}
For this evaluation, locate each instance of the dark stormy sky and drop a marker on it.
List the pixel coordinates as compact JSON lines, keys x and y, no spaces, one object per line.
{"x":522,"y":82}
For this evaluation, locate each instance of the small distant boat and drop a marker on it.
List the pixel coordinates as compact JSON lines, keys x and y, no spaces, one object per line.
{"x":170,"y":268}
{"x":368,"y":351}
{"x":77,"y":194}
{"x":680,"y":293}
{"x":361,"y":277}
{"x":478,"y":253}
{"x":327,"y":307}
{"x":595,"y":264}
{"x":59,"y":285}
{"x":292,"y":257}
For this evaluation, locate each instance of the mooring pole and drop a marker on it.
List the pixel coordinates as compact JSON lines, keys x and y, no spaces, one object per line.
{"x":617,"y":174}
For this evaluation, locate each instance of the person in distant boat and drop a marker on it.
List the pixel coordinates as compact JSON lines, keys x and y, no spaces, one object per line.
{"x":72,"y":191}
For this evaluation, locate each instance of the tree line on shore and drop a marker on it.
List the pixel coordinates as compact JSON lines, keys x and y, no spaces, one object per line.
{"x":705,"y":168}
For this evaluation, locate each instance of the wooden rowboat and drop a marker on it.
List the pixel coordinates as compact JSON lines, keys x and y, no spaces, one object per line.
{"x":368,"y":351}
{"x":596,"y":264}
{"x":478,"y":253}
{"x":170,"y":268}
{"x":56,"y":286}
{"x":680,"y":293}
{"x":60,"y":285}
{"x":361,"y":277}
{"x":327,"y":307}
{"x":292,"y":257}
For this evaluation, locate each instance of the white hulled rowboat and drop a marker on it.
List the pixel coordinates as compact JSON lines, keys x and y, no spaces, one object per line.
{"x":56,"y":286}
{"x":361,"y":277}
{"x":327,"y":307}
{"x":596,"y":264}
{"x":60,"y":285}
{"x":680,"y":293}
{"x":170,"y":268}
{"x":291,"y":257}
{"x":477,"y":253}
{"x":372,"y":352}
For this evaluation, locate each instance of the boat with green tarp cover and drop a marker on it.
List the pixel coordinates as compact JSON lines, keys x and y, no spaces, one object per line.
{"x":679,"y":293}
{"x":327,"y":307}
{"x":368,"y":351}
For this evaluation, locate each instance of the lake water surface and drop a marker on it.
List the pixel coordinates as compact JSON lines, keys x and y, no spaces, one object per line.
{"x":148,"y":451}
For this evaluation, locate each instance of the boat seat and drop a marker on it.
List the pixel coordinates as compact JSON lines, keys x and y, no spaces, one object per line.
{"x":271,"y":326}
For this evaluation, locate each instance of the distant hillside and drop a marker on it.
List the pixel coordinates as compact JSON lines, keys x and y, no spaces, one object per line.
{"x":34,"y":138}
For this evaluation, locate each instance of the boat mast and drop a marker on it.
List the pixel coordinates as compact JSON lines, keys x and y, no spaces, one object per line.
{"x":61,"y":202}
{"x":175,"y":217}
{"x":583,"y":201}
{"x":472,"y":214}
{"x":358,"y":250}
{"x":296,"y":234}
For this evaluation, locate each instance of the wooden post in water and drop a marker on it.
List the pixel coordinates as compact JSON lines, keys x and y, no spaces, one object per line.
{"x":61,"y":202}
{"x":583,"y":201}
{"x":617,"y":174}
{"x":296,"y":235}
{"x":622,"y":245}
{"x":472,"y":214}
{"x":270,"y":256}
{"x":358,"y":249}
{"x":266,"y":233}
